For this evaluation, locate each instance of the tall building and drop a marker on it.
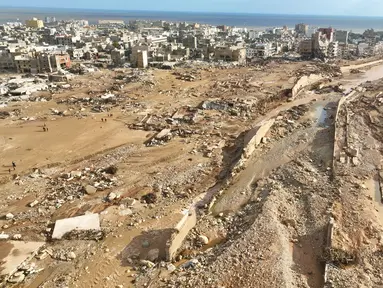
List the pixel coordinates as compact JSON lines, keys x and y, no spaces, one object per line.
{"x":301,"y":28}
{"x":190,"y":41}
{"x":306,"y":48}
{"x":142,"y":59}
{"x":50,"y":19}
{"x":329,"y":32}
{"x":34,"y":23}
{"x":341,"y":36}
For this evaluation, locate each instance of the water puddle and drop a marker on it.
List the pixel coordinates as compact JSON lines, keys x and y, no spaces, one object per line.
{"x":371,"y":74}
{"x":377,"y":193}
{"x":321,"y":114}
{"x":374,"y":189}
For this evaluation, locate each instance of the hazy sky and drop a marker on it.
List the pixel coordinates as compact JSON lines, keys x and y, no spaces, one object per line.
{"x":324,"y":7}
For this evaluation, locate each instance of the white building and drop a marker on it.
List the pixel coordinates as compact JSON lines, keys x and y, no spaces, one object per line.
{"x":255,"y":34}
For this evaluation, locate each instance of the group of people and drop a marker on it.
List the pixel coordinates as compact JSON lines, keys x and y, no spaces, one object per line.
{"x":104,"y":119}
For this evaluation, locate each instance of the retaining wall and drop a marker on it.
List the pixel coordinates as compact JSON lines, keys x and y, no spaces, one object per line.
{"x":303,"y":82}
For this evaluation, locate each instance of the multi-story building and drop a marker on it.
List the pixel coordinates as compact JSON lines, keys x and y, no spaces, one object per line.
{"x":261,"y":50}
{"x":255,"y":34}
{"x":322,"y":45}
{"x":142,"y":58}
{"x":306,"y":48}
{"x":65,"y":40}
{"x":26,"y":64}
{"x":6,"y":61}
{"x":301,"y":28}
{"x":49,"y":19}
{"x":42,"y":62}
{"x":341,"y":36}
{"x":190,"y":41}
{"x":363,"y":49}
{"x":233,"y":53}
{"x":117,"y":56}
{"x":34,"y":23}
{"x":333,"y":50}
{"x":328,"y":32}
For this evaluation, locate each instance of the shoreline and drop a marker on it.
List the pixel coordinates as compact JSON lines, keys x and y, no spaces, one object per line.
{"x":240,"y":20}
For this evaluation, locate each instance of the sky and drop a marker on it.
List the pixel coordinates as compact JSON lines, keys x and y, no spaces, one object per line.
{"x":321,"y":7}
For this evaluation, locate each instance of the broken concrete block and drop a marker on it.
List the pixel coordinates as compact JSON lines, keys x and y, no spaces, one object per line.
{"x":16,"y":253}
{"x":71,"y":255}
{"x":4,"y":236}
{"x":352,"y":152}
{"x":90,"y":190}
{"x":204,"y":240}
{"x":112,"y":196}
{"x":125,"y":212}
{"x":76,"y":174}
{"x":164,"y":133}
{"x":147,"y":263}
{"x":17,"y":278}
{"x":85,"y":222}
{"x":34,"y":203}
{"x":181,"y":230}
{"x":254,"y":137}
{"x":129,"y":202}
{"x":171,"y":267}
{"x":17,"y":237}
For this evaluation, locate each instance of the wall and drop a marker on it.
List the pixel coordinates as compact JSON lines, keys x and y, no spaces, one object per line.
{"x":182,"y":229}
{"x":254,"y":137}
{"x":305,"y":81}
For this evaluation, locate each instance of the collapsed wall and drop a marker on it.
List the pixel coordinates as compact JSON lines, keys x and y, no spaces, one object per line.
{"x":180,"y":232}
{"x":254,"y":137}
{"x":339,"y":143}
{"x":303,"y":82}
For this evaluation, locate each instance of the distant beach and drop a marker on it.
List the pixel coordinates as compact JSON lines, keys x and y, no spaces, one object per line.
{"x":353,"y":23}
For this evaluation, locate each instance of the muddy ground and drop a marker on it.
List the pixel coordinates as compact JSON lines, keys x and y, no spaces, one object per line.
{"x":264,"y":221}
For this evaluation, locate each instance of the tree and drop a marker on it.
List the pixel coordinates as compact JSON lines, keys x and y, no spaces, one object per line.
{"x":116,"y":45}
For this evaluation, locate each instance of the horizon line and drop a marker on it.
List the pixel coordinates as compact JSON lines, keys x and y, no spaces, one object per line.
{"x":184,"y":11}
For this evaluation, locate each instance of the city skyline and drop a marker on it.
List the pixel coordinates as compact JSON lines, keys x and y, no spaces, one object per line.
{"x":369,"y":8}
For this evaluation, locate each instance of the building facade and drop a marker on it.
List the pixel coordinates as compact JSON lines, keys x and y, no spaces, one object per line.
{"x":34,"y":23}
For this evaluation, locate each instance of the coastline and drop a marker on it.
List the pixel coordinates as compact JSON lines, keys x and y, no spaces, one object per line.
{"x":251,"y":21}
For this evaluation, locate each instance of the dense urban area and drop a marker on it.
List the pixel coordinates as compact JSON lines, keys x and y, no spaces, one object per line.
{"x":158,"y":154}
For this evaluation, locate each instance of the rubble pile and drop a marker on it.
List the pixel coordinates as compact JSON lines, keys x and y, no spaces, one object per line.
{"x":223,"y":258}
{"x":185,"y":76}
{"x":329,"y":70}
{"x":193,"y":64}
{"x":234,"y":107}
{"x":63,"y":255}
{"x":82,"y":69}
{"x":233,"y":84}
{"x":24,"y":271}
{"x":70,"y":186}
{"x":288,"y":121}
{"x":138,"y":76}
{"x":165,"y":135}
{"x":84,"y":235}
{"x":98,"y":104}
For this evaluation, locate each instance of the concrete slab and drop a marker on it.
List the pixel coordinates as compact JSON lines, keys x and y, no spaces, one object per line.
{"x":85,"y":222}
{"x":188,"y":221}
{"x":14,"y":253}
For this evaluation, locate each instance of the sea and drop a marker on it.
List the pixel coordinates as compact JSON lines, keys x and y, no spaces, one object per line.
{"x":355,"y":24}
